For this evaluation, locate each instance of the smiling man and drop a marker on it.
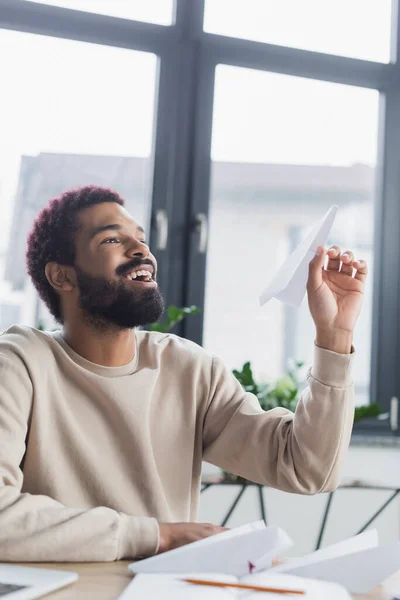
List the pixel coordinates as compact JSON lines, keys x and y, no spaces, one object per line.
{"x":104,"y":426}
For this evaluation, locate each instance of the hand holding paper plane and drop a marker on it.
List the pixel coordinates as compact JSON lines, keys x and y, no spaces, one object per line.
{"x":290,"y":282}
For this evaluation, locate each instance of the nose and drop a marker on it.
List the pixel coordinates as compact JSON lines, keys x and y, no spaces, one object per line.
{"x":137,"y":249}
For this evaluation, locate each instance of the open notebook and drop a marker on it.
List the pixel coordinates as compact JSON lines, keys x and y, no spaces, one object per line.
{"x":172,"y":587}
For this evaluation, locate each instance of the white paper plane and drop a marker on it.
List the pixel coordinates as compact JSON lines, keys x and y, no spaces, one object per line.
{"x":236,"y":552}
{"x":290,"y":282}
{"x":362,"y":541}
{"x":359,"y":570}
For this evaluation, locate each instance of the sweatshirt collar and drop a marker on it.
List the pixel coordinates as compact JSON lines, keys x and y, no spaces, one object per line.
{"x":101,"y":370}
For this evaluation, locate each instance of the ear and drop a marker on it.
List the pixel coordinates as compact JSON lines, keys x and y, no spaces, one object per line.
{"x":62,"y":278}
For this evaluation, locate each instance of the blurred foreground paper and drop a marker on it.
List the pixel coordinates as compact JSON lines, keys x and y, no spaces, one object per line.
{"x":290,"y":282}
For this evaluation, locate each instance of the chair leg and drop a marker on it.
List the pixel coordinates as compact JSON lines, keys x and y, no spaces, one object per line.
{"x":378,"y":512}
{"x":235,"y":503}
{"x":324,"y":520}
{"x":262,"y":503}
{"x":205,"y":487}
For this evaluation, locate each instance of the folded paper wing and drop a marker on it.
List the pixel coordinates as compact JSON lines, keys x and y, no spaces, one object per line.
{"x":290,"y":282}
{"x":357,"y":543}
{"x":230,"y":552}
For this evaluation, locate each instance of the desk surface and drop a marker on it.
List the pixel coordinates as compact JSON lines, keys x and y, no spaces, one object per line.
{"x":105,"y":581}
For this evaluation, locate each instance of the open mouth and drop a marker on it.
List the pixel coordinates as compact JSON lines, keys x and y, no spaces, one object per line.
{"x":143,"y":275}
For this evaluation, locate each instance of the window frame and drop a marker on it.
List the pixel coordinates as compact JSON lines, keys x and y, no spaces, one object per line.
{"x":188,"y":57}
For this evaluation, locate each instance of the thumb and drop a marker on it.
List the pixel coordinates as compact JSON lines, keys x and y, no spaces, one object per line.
{"x":315,"y":269}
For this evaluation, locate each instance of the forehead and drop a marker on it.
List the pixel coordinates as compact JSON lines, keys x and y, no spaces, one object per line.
{"x":106,"y":213}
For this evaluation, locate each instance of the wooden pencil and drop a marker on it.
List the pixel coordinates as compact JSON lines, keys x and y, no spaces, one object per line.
{"x":244,"y":586}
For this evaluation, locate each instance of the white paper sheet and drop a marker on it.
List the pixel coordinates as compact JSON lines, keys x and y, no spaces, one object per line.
{"x":315,"y":590}
{"x":236,"y":552}
{"x":290,"y":282}
{"x":171,"y":587}
{"x":359,"y":572}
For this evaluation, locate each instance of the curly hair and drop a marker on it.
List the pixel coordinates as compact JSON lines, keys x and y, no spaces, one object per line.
{"x":52,"y":238}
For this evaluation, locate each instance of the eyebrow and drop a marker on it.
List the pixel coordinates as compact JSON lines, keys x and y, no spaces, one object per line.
{"x":111,"y":227}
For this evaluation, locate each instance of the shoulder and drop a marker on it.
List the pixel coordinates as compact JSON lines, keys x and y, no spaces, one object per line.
{"x":172,"y":348}
{"x":171,"y":343}
{"x":21,"y":345}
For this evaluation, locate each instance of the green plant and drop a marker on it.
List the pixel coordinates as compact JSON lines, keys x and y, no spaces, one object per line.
{"x":174,"y":315}
{"x":41,"y":327}
{"x":285,"y":391}
{"x":367,"y":411}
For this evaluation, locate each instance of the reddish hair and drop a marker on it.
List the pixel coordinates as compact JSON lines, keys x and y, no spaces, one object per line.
{"x":52,"y":238}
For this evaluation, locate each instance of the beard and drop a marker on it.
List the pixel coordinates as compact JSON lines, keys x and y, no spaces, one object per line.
{"x":114,"y":304}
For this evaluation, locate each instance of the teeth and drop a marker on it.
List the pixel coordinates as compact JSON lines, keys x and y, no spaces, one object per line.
{"x":146,"y":274}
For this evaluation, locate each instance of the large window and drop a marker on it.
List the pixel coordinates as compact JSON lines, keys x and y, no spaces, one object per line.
{"x":230,"y":127}
{"x":284,"y":150}
{"x":74,"y":114}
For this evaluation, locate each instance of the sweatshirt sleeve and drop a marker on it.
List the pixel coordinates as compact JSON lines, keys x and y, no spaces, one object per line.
{"x":301,"y":452}
{"x":38,"y":528}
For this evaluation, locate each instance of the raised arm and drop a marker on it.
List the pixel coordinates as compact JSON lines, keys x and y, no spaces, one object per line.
{"x":301,"y":452}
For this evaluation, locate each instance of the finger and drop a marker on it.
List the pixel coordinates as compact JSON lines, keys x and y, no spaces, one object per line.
{"x":315,"y":269}
{"x":347,"y":259}
{"x":361,"y":270}
{"x":334,"y":258}
{"x":214,"y":528}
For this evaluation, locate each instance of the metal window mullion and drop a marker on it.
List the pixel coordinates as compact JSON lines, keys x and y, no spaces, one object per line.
{"x":172,"y":176}
{"x":199,"y":191}
{"x":300,"y":63}
{"x":395,"y":32}
{"x":189,"y":19}
{"x":43,"y":19}
{"x":189,"y":22}
{"x":180,"y":219}
{"x":385,"y":372}
{"x":164,"y":159}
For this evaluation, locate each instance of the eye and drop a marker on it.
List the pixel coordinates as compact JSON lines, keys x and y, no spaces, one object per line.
{"x":113,"y":240}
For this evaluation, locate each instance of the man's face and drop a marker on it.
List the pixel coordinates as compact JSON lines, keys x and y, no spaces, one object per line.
{"x":116,"y":273}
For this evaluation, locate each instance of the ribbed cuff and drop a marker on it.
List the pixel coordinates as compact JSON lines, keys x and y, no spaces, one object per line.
{"x":332,"y":369}
{"x":138,"y":537}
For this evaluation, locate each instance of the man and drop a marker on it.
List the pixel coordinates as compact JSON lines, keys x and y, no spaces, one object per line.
{"x":103,"y":426}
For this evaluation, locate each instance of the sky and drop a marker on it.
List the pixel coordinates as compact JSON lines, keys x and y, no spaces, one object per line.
{"x":72,"y":97}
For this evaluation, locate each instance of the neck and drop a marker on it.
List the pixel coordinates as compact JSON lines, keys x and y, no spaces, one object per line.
{"x":110,"y":347}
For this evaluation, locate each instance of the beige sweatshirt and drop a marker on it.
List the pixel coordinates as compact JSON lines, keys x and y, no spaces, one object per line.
{"x":91,"y":457}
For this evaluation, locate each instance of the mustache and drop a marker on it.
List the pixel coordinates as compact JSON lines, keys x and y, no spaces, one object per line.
{"x":133,"y":264}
